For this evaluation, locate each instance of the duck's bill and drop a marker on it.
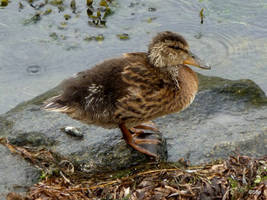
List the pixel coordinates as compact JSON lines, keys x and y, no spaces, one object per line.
{"x":195,"y":61}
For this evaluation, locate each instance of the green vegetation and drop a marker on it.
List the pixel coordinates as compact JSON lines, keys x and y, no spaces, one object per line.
{"x":73,"y":5}
{"x":47,"y":11}
{"x":33,"y":20}
{"x":56,"y":2}
{"x":89,"y":2}
{"x":98,"y":13}
{"x":99,"y":37}
{"x":54,"y":36}
{"x":201,"y":14}
{"x":151,"y":19}
{"x":123,"y":36}
{"x":67,"y":17}
{"x":3,"y":3}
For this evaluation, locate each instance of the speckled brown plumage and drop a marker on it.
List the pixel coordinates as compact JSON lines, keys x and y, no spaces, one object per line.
{"x":127,"y":91}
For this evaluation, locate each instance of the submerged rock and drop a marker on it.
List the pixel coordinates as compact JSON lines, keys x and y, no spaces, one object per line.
{"x":226,"y":117}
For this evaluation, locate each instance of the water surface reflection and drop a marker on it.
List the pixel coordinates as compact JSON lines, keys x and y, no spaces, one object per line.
{"x":232,"y":39}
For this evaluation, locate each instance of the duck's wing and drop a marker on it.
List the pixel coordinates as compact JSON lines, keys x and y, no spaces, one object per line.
{"x":148,"y":94}
{"x":91,"y":94}
{"x":136,"y":55}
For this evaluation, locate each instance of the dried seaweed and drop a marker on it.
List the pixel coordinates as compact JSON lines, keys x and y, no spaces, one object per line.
{"x":238,"y":177}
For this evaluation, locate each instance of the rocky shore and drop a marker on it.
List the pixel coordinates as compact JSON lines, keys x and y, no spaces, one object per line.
{"x":227,"y":117}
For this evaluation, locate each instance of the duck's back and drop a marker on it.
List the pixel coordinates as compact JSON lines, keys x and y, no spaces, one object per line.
{"x":92,"y":96}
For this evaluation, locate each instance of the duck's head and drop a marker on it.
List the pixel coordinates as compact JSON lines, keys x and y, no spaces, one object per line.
{"x":168,"y":50}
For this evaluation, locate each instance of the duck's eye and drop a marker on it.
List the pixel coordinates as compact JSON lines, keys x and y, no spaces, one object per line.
{"x":176,"y":47}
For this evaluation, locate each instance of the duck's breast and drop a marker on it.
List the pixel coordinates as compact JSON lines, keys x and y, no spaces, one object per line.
{"x":188,"y":84}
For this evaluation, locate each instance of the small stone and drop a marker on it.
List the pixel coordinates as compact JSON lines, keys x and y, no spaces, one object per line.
{"x":72,"y":131}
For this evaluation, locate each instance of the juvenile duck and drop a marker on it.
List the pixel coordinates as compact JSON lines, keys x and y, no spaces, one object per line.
{"x":124,"y":92}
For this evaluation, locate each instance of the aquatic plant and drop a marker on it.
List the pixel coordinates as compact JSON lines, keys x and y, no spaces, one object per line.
{"x":123,"y":36}
{"x":3,"y":3}
{"x":98,"y":13}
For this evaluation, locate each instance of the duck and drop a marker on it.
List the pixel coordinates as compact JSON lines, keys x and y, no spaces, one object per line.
{"x":128,"y":91}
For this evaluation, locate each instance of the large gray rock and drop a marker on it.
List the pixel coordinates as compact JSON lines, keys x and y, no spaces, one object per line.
{"x":16,"y":174}
{"x":226,"y":117}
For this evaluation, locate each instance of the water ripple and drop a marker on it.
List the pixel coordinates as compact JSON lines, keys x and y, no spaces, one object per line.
{"x":246,"y":11}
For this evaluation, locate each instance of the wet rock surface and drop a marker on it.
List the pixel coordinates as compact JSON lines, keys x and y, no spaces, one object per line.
{"x":16,"y":174}
{"x":226,"y":117}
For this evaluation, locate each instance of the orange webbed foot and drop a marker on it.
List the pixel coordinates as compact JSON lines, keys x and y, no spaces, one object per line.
{"x":134,"y":142}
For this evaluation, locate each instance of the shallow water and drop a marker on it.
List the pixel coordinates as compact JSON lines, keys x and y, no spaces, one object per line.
{"x":233,"y":39}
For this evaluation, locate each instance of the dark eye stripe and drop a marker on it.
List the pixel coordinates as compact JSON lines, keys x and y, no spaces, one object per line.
{"x":175,"y":47}
{"x":178,"y":48}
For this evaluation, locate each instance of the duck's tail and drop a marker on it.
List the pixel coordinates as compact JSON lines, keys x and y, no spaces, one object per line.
{"x":56,"y":104}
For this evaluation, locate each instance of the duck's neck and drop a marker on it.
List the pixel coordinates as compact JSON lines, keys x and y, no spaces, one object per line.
{"x":170,"y":73}
{"x":164,"y":62}
{"x":173,"y":73}
{"x":158,"y":57}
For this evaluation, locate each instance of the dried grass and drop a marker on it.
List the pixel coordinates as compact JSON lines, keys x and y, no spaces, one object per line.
{"x":238,"y":177}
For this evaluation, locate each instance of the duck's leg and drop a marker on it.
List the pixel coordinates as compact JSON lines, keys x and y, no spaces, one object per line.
{"x":133,"y":142}
{"x":145,"y":127}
